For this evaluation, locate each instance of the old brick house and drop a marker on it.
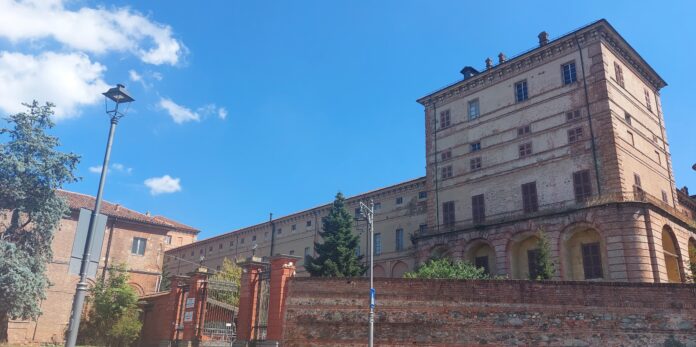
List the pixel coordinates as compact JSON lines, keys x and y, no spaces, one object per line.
{"x":136,"y":239}
{"x":568,"y":137}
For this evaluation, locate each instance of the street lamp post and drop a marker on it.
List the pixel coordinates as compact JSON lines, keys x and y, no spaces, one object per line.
{"x":369,"y":213}
{"x":118,"y":95}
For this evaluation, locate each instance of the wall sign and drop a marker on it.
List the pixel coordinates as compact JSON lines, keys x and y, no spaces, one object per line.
{"x":188,"y":316}
{"x":190,"y":302}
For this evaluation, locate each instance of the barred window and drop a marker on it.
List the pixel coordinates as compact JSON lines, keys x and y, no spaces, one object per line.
{"x":575,"y":134}
{"x":475,"y":163}
{"x":475,"y":146}
{"x":524,"y":130}
{"x":525,"y":149}
{"x":446,"y":155}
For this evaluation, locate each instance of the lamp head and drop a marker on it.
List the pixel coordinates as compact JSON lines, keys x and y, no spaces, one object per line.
{"x":118,"y":94}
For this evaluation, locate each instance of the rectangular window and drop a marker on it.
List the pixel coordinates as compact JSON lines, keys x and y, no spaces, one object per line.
{"x":530,"y":203}
{"x":573,"y":115}
{"x":292,"y":252}
{"x":231,"y":243}
{"x":138,"y":246}
{"x":478,"y":209}
{"x":306,"y":251}
{"x":475,"y":146}
{"x":475,"y":163}
{"x":423,"y":228}
{"x":533,"y":263}
{"x":630,"y":138}
{"x":378,"y":206}
{"x":399,"y":200}
{"x":446,"y":172}
{"x":240,"y":241}
{"x":658,"y":158}
{"x":569,"y":75}
{"x":293,"y":227}
{"x":637,"y":187}
{"x":422,"y":195}
{"x":647,"y":100}
{"x":378,"y":243}
{"x":474,"y":109}
{"x":575,"y":134}
{"x":618,"y":74}
{"x":253,"y":238}
{"x":521,"y":91}
{"x":220,"y":246}
{"x":280,"y":231}
{"x":448,"y":213}
{"x":591,"y":260}
{"x":309,"y":223}
{"x":357,"y":251}
{"x":482,"y":262}
{"x":581,"y":185}
{"x":399,"y":240}
{"x":636,"y":180}
{"x":358,"y":212}
{"x":524,"y":130}
{"x":444,"y":119}
{"x":525,"y":149}
{"x":628,"y":118}
{"x":664,"y":197}
{"x":168,"y":238}
{"x":446,"y":155}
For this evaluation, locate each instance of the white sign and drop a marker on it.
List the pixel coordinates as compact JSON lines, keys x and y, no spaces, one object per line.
{"x":190,"y":302}
{"x":188,"y":316}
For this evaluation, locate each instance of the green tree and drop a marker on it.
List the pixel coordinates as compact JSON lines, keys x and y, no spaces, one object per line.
{"x":692,"y":262}
{"x":336,"y":256}
{"x":229,"y":272}
{"x":446,"y":268}
{"x":31,"y":169}
{"x":113,"y":315}
{"x":543,"y":265}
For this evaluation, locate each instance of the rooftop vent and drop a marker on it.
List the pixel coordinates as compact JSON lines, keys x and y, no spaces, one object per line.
{"x":543,"y":38}
{"x":489,"y":63}
{"x":468,"y":71}
{"x":501,"y":58}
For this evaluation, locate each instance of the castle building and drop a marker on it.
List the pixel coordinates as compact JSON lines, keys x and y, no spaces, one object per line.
{"x":567,"y":138}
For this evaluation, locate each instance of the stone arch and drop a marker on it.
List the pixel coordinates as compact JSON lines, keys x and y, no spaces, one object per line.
{"x":399,"y":269}
{"x":519,"y":251}
{"x":692,"y":257}
{"x":440,"y":252}
{"x":481,"y":253}
{"x":378,"y":271}
{"x":138,"y":288}
{"x":672,"y":256}
{"x":583,"y":253}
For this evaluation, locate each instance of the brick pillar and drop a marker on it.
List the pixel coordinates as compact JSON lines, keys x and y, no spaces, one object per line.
{"x":282,"y":269}
{"x":248,"y":292}
{"x":194,"y":305}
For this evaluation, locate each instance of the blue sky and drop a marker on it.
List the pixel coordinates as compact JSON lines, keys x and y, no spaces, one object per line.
{"x":317,"y":96}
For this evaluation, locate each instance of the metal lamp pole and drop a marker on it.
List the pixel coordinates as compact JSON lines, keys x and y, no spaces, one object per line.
{"x":118,"y":95}
{"x":369,"y":213}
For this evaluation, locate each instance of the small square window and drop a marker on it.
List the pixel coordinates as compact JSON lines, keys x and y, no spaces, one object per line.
{"x":241,"y":241}
{"x":575,"y":134}
{"x":618,"y":74}
{"x":572,"y":115}
{"x":474,"y":109}
{"x":422,"y":195}
{"x":664,"y":197}
{"x":253,"y":238}
{"x":521,"y":91}
{"x":220,"y":246}
{"x":647,"y":100}
{"x":446,"y":155}
{"x":569,"y":75}
{"x":445,"y":120}
{"x":292,"y":252}
{"x":423,"y":228}
{"x":475,"y":163}
{"x":627,"y":118}
{"x":138,"y":246}
{"x":210,"y":249}
{"x":658,"y":157}
{"x":475,"y":146}
{"x":231,"y":243}
{"x":168,"y":239}
{"x":630,"y":138}
{"x":378,"y":206}
{"x":525,"y":149}
{"x":399,"y":200}
{"x":446,"y":172}
{"x":524,"y":130}
{"x":358,"y":212}
{"x":293,"y":227}
{"x":280,"y":231}
{"x":309,"y":223}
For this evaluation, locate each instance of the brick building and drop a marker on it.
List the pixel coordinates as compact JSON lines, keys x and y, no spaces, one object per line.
{"x":568,"y":137}
{"x":136,"y":239}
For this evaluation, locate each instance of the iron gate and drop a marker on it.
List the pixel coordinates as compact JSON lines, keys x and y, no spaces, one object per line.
{"x":219,"y":326}
{"x":261,"y":327}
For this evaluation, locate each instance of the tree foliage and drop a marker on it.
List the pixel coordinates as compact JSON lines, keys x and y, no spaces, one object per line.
{"x":544,"y":267}
{"x":444,"y":268}
{"x":113,"y":315}
{"x":336,"y":255}
{"x":692,"y":262}
{"x":31,"y":169}
{"x":229,"y":272}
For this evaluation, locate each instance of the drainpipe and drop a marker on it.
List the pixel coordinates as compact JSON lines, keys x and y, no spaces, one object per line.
{"x":589,"y":116}
{"x":270,"y":220}
{"x":437,"y":182}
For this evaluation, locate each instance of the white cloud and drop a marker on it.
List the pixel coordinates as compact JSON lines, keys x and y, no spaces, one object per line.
{"x":69,"y":80}
{"x":163,"y":185}
{"x":222,"y":113}
{"x":179,"y":114}
{"x":114,"y":167}
{"x":134,"y":76}
{"x":95,"y":169}
{"x":95,"y":30}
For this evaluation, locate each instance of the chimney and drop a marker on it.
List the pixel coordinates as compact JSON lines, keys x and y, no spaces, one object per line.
{"x":489,"y":63}
{"x":501,"y":58}
{"x":147,"y":213}
{"x":543,"y":38}
{"x":468,"y":71}
{"x":118,"y":207}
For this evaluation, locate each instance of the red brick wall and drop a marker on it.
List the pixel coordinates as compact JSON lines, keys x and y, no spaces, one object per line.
{"x":333,"y":312}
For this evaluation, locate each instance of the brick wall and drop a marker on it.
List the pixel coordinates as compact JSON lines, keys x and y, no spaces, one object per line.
{"x":333,"y":312}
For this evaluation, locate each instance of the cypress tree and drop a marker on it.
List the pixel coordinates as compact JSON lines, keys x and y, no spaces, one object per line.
{"x":336,"y":255}
{"x":545,"y":268}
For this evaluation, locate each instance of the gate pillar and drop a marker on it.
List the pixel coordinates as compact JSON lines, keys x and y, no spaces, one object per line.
{"x":282,"y":269}
{"x":248,"y":298}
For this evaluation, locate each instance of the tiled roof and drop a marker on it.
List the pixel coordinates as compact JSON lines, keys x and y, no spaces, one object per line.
{"x":77,"y":201}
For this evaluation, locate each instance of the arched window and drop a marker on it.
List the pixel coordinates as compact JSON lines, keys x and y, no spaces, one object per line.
{"x":481,"y":254}
{"x":378,"y":271}
{"x":399,"y":269}
{"x":670,"y":250}
{"x":584,"y":255}
{"x":523,"y":257}
{"x":440,"y":252}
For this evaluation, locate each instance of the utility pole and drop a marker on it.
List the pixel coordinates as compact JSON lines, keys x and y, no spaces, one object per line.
{"x":369,"y":213}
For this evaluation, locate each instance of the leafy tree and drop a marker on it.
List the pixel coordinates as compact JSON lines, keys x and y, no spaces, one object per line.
{"x":692,"y":262}
{"x":165,"y":282}
{"x":543,"y":266}
{"x":113,"y":315}
{"x":229,"y":272}
{"x":448,"y":269}
{"x":31,"y":169}
{"x":336,"y":256}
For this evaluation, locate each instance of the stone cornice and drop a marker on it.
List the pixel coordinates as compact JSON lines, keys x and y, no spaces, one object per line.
{"x":600,"y":30}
